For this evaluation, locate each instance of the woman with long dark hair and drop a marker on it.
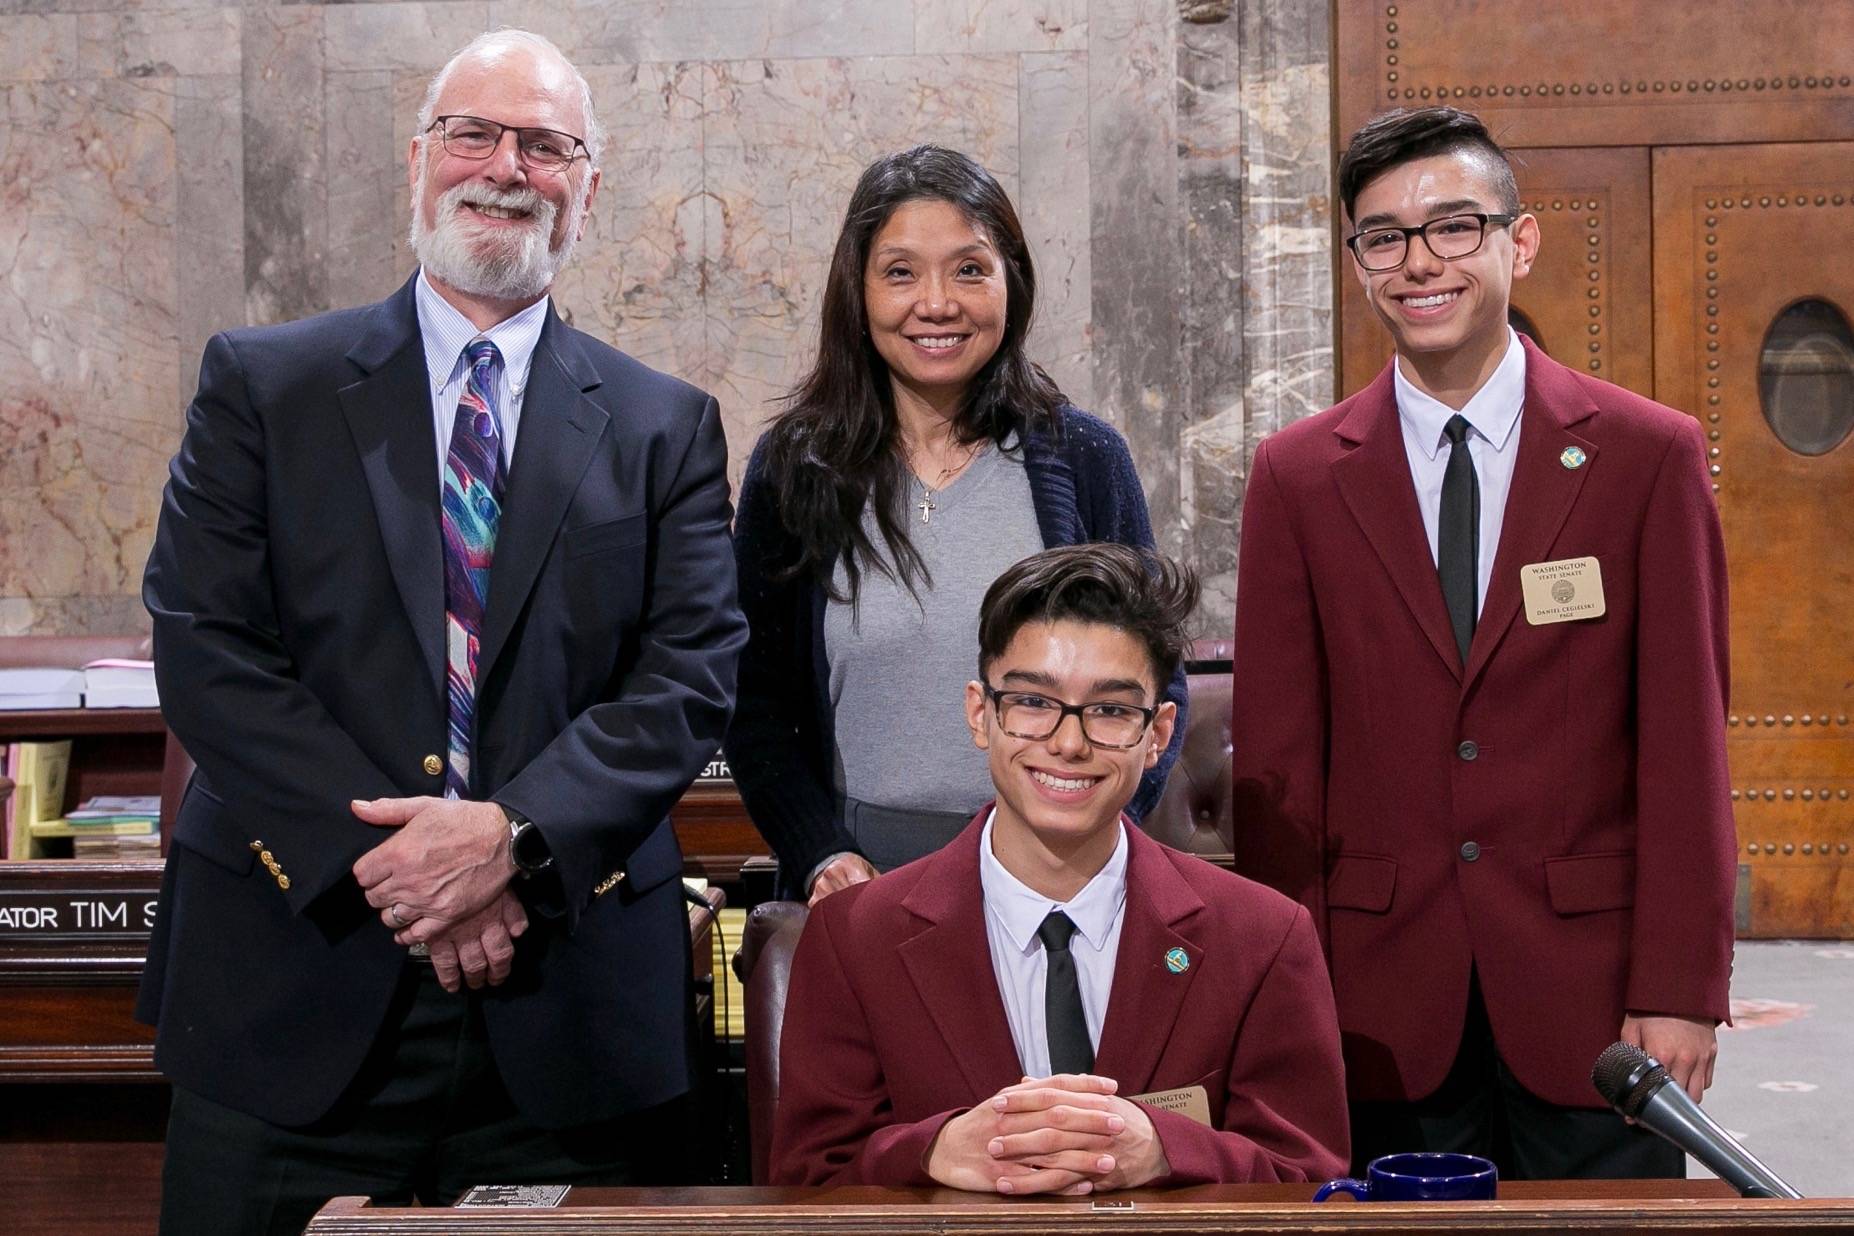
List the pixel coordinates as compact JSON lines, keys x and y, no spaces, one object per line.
{"x":922,"y":455}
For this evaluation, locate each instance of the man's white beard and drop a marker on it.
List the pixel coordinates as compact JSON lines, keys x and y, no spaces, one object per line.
{"x":506,"y":263}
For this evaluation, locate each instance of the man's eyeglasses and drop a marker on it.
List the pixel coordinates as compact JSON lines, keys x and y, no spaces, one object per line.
{"x":1025,"y":714}
{"x":544,"y":150}
{"x":1457,"y":236}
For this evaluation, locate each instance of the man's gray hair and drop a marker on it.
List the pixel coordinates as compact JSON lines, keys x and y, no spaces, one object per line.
{"x":594,"y":136}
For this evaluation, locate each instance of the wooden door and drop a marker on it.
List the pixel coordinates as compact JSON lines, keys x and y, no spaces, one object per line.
{"x":1588,"y":301}
{"x":1622,"y":73}
{"x":1754,"y":273}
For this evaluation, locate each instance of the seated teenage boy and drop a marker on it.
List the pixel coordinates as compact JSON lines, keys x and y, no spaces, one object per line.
{"x":1055,"y":1002}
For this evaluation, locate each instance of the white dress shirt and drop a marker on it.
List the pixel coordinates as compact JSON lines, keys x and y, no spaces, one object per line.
{"x":1493,"y":444}
{"x":446,"y":333}
{"x":1013,"y":912}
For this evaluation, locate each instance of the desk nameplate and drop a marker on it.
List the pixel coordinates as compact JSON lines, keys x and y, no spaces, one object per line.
{"x":78,"y":913}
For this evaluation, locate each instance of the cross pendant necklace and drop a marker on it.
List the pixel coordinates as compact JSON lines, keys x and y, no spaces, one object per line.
{"x":926,"y":505}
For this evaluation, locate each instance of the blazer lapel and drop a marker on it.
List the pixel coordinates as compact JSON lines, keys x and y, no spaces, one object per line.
{"x":1148,"y":993}
{"x":389,"y":416}
{"x":1374,"y":479}
{"x":949,"y":964}
{"x":553,"y":449}
{"x":1543,"y":493}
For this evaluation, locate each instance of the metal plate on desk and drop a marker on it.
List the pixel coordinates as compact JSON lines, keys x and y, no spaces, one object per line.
{"x":60,"y":902}
{"x":75,"y":914}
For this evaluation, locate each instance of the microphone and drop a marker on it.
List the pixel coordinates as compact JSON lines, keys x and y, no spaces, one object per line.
{"x":1634,"y":1083}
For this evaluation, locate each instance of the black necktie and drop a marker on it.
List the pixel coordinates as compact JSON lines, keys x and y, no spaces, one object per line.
{"x":1458,"y":535}
{"x":1069,"y":1048}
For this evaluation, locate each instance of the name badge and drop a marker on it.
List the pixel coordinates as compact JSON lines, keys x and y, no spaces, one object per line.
{"x":1569,"y":590}
{"x":1189,"y":1101}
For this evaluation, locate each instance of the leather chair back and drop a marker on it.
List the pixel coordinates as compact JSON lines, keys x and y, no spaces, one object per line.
{"x":764,"y":967}
{"x":1196,"y":813}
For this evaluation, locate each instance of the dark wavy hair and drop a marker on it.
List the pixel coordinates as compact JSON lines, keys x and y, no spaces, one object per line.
{"x":833,"y":451}
{"x":1404,"y":134}
{"x":1144,"y":593}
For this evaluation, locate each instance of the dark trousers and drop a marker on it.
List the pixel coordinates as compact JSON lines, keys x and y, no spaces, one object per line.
{"x":1482,"y":1109}
{"x":427,"y":1118}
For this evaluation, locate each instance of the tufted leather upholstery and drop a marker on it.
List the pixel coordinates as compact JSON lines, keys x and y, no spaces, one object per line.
{"x":764,"y":966}
{"x":1196,"y":813}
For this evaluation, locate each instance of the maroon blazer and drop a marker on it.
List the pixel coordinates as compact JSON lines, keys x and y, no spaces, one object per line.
{"x":894,"y":1025}
{"x":1554,"y":815}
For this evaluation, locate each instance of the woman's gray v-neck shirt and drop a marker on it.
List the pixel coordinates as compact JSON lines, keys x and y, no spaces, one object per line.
{"x":899,"y":664}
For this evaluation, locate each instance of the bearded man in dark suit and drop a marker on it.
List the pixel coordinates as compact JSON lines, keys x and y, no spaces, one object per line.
{"x":444,"y":610}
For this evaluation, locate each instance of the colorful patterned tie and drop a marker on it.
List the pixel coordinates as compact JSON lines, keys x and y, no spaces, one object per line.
{"x":472,"y":510}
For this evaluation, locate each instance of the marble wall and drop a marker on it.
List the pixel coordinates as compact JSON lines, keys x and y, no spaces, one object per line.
{"x":173,"y":167}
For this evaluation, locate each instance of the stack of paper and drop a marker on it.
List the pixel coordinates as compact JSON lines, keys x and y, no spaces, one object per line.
{"x":120,"y":684}
{"x":41,"y":687}
{"x":108,"y":827}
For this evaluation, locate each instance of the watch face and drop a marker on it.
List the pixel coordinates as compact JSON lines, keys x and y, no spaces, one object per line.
{"x":530,"y":848}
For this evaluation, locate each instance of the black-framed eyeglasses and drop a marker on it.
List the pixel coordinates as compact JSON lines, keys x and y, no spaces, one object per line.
{"x":472,"y":137}
{"x":1455,"y":236}
{"x":1025,"y":714}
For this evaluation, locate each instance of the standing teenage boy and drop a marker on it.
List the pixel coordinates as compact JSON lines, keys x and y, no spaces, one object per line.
{"x":1480,"y":694}
{"x":1055,"y":1002}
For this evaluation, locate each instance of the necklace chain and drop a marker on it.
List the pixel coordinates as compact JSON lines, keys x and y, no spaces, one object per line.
{"x":926,"y":505}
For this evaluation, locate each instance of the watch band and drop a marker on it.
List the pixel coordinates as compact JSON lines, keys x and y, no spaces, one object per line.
{"x":527,"y":847}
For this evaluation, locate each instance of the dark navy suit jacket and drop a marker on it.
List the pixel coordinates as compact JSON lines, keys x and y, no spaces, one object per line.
{"x":297,"y":590}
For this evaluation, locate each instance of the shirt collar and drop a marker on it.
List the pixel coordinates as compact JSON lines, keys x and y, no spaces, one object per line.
{"x":446,"y":332}
{"x":1021,"y":909}
{"x":1492,"y":411}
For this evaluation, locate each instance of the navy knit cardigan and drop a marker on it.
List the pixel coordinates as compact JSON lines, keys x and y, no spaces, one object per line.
{"x":780,"y":745}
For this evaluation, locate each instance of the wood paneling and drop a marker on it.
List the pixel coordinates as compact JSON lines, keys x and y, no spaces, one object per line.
{"x":1589,"y":292}
{"x":1574,"y":73}
{"x":1689,"y":1207}
{"x":1737,"y":241}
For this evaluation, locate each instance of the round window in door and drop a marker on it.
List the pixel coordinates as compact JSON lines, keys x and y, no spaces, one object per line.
{"x":1806,"y":377}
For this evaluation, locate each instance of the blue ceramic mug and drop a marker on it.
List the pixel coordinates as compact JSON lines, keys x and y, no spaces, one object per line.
{"x":1420,"y":1177}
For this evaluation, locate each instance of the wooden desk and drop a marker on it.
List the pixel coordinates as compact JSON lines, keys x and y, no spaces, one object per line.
{"x":82,"y":1109}
{"x":1612,"y":1206}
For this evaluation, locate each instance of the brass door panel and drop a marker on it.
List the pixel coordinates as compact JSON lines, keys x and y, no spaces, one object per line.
{"x":1739,"y":238}
{"x":1627,"y":73}
{"x":1589,"y":294}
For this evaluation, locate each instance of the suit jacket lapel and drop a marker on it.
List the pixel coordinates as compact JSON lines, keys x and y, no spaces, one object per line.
{"x":389,"y":416}
{"x":949,"y":963}
{"x":1541,"y":497}
{"x":1148,"y":994}
{"x":553,"y":449}
{"x":1374,"y":479}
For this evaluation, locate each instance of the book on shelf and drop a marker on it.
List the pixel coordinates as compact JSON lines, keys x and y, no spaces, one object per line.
{"x":47,"y":830}
{"x":104,"y":820}
{"x":116,"y":808}
{"x":39,"y":771}
{"x":118,"y":683}
{"x":40,"y":686}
